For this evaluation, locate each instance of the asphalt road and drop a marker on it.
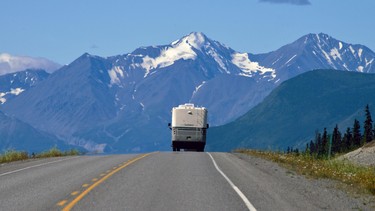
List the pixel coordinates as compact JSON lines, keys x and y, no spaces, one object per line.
{"x":164,"y":181}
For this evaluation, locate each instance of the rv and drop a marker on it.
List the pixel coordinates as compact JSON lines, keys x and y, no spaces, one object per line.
{"x":189,"y":128}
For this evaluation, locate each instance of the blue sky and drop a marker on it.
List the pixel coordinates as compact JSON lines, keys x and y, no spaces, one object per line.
{"x":62,"y":30}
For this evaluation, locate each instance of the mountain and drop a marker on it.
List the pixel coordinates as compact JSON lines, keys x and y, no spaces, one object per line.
{"x":317,"y":51}
{"x":188,"y":70}
{"x":13,"y":84}
{"x":108,"y":102}
{"x":293,"y":111}
{"x":17,"y":135}
{"x":11,"y":64}
{"x":123,"y":103}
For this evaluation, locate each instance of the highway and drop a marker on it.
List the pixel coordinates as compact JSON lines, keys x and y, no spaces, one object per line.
{"x":163,"y":181}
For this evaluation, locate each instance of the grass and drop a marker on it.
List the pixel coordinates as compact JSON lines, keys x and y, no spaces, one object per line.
{"x":12,"y":155}
{"x":360,"y":177}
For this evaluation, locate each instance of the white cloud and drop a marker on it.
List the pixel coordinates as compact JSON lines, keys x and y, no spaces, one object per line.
{"x":11,"y":64}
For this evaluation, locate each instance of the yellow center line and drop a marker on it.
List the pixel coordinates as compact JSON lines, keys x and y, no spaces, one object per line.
{"x":90,"y":188}
{"x":61,"y":203}
{"x":74,"y":193}
{"x":85,"y":185}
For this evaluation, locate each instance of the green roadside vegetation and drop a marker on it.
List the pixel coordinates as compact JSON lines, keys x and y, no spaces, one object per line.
{"x":360,"y":177}
{"x":318,"y":158}
{"x":12,"y":155}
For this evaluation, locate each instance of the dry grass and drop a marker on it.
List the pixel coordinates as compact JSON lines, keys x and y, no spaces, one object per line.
{"x":12,"y":155}
{"x":351,"y":174}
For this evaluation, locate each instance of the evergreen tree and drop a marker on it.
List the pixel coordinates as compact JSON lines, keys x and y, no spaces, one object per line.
{"x":312,"y":148}
{"x":368,"y":133}
{"x":347,"y":141}
{"x":319,"y":146}
{"x":318,"y":143}
{"x":357,"y":134}
{"x":336,"y":140}
{"x":325,"y":143}
{"x":307,"y":149}
{"x":296,"y":151}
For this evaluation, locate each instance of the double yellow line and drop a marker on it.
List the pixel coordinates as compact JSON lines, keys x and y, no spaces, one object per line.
{"x":90,"y":188}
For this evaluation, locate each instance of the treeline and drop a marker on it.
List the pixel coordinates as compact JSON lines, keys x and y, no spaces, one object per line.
{"x":325,"y":145}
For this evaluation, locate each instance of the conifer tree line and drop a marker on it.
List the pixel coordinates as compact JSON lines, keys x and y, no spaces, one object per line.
{"x":325,"y":144}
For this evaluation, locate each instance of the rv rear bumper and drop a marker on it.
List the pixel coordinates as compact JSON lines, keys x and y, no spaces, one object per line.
{"x":188,"y":145}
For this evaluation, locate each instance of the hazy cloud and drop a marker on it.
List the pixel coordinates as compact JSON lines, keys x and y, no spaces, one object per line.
{"x":11,"y":64}
{"x":295,"y":2}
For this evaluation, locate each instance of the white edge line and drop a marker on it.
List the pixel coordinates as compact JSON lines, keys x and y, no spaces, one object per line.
{"x":238,"y":191}
{"x":29,"y":167}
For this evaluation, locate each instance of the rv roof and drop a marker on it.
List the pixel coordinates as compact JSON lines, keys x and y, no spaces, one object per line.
{"x":187,"y":105}
{"x":190,"y":105}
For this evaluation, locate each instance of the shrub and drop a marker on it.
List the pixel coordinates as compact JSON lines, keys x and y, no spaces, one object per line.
{"x":12,"y":155}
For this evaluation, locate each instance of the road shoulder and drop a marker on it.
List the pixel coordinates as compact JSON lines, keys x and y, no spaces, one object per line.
{"x":291,"y":188}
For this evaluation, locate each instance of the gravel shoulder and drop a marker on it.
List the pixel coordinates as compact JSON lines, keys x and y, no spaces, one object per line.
{"x":298,"y":191}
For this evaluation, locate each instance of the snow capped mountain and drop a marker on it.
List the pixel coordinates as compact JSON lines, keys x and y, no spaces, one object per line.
{"x":100,"y":103}
{"x":74,"y":97}
{"x":318,"y":51}
{"x":13,"y":84}
{"x":10,"y":64}
{"x":195,"y":46}
{"x":122,"y":103}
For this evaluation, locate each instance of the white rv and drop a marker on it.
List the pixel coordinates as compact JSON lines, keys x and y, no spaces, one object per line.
{"x":189,"y":127}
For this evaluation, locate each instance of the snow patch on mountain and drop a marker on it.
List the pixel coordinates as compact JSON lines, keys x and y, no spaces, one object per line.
{"x":218,"y":59}
{"x":368,"y":62}
{"x":335,"y":54}
{"x":360,"y":52}
{"x":352,"y":50}
{"x":197,"y":88}
{"x":184,"y":48}
{"x":242,"y":61}
{"x":114,"y":75}
{"x":142,"y":105}
{"x":168,"y":55}
{"x":291,"y":58}
{"x":326,"y":55}
{"x":195,"y":39}
{"x":15,"y":91}
{"x":340,"y":45}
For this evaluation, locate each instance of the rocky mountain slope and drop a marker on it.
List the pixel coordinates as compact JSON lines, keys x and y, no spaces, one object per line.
{"x":17,"y":135}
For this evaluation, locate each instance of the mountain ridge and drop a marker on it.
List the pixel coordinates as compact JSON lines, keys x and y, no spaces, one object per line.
{"x":291,"y":114}
{"x":120,"y":102}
